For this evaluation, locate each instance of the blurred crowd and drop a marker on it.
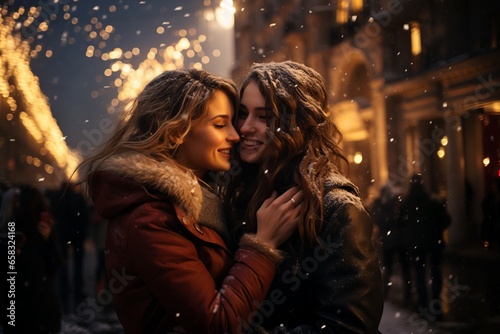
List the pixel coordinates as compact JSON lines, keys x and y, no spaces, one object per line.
{"x":411,"y":226}
{"x":51,"y":229}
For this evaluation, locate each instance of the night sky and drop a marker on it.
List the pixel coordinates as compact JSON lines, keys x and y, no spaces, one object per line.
{"x":77,"y":90}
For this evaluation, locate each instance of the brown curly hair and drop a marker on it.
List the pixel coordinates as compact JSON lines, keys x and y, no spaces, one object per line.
{"x":303,"y":140}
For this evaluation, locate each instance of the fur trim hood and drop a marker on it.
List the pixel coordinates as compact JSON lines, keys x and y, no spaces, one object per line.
{"x":122,"y":179}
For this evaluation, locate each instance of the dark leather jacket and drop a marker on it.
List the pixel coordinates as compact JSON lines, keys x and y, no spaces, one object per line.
{"x":335,"y":287}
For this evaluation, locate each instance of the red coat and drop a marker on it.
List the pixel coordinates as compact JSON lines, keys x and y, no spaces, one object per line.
{"x":168,"y":273}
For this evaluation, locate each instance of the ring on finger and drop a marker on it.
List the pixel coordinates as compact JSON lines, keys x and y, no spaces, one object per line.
{"x":293,"y":201}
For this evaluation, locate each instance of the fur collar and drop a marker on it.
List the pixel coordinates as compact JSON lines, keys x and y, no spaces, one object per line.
{"x":182,"y":186}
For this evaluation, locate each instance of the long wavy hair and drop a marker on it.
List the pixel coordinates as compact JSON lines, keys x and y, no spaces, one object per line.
{"x":162,"y":115}
{"x":302,"y":146}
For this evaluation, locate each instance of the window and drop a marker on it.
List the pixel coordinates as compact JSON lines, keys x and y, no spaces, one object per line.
{"x":348,"y":8}
{"x":416,"y":39}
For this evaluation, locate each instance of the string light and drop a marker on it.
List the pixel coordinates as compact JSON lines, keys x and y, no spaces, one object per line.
{"x":36,"y":117}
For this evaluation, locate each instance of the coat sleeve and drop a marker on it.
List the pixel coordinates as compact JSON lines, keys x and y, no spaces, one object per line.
{"x":169,"y":264}
{"x":346,"y":288}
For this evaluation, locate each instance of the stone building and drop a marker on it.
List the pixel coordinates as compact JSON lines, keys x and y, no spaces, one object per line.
{"x":414,"y":86}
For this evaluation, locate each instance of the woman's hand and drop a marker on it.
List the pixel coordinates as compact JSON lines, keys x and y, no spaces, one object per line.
{"x":277,"y":217}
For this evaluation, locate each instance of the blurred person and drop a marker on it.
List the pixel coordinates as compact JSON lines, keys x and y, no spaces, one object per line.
{"x":4,"y":186}
{"x":384,"y":211}
{"x":8,"y":196}
{"x":36,"y":262}
{"x":71,"y":212}
{"x":424,"y":219}
{"x":490,"y":227}
{"x":167,"y":238}
{"x":330,"y":279}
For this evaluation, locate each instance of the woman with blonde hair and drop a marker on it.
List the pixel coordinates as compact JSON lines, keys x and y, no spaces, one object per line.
{"x":168,"y":261}
{"x":330,"y":280}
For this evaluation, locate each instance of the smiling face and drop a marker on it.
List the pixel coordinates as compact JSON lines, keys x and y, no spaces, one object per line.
{"x":252,"y":125}
{"x":208,"y":144}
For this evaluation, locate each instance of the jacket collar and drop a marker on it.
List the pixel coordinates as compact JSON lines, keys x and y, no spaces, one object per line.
{"x":180,"y":185}
{"x":335,"y":180}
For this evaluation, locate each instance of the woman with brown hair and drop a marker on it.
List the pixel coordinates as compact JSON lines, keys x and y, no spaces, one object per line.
{"x":330,"y":280}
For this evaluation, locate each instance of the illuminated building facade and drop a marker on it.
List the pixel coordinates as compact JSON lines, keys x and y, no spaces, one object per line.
{"x":414,"y":85}
{"x":32,"y":147}
{"x":84,"y":40}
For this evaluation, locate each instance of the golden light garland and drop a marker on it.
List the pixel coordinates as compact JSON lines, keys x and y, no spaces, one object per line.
{"x":36,"y":117}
